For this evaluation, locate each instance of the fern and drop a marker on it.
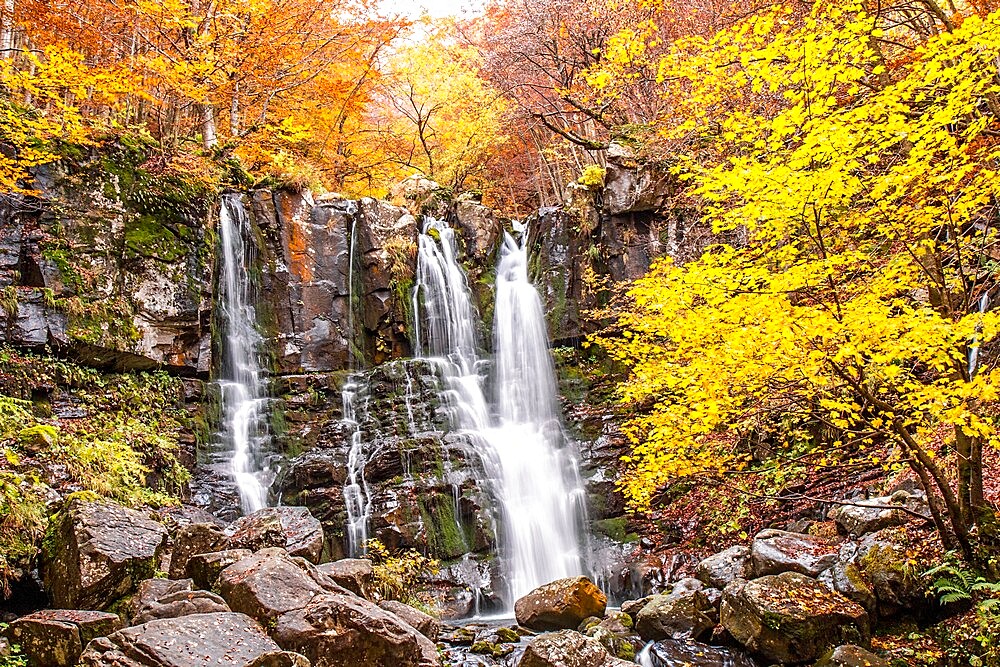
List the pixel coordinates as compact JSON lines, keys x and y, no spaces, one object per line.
{"x":957,"y":583}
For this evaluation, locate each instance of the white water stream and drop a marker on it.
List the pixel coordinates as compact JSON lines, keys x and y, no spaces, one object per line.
{"x":244,"y":427}
{"x":526,"y":460}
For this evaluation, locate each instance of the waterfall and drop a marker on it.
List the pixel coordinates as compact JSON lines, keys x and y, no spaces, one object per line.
{"x":526,"y":462}
{"x":541,"y":492}
{"x":244,"y":426}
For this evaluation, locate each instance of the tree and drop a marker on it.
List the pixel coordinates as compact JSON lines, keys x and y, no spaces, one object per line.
{"x":863,"y":179}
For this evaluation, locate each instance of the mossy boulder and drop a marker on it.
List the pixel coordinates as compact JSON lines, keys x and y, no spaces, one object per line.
{"x":56,"y":637}
{"x":562,"y":604}
{"x":791,"y":618}
{"x":96,"y":552}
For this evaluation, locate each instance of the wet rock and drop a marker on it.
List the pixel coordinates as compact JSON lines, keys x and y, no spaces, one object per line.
{"x":479,"y":228}
{"x":679,"y":616}
{"x":689,"y":653}
{"x":343,"y":630}
{"x":874,"y":514}
{"x":777,"y":551}
{"x":425,"y":624}
{"x":851,"y":656}
{"x":719,"y":570}
{"x":616,"y":634}
{"x":561,"y":604}
{"x":56,"y":637}
{"x":195,"y":538}
{"x":205,"y":569}
{"x":568,"y":648}
{"x":199,"y":640}
{"x":633,"y":607}
{"x":292,"y":528}
{"x":791,"y":618}
{"x":97,"y":552}
{"x":355,"y":574}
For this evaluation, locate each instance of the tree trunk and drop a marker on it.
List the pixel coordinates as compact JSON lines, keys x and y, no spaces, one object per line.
{"x":7,"y":29}
{"x":208,"y":134}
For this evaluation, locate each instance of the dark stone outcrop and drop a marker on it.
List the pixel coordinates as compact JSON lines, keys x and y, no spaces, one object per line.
{"x":719,"y":570}
{"x":97,"y":552}
{"x":355,"y":574}
{"x":851,"y":656}
{"x":694,"y":654}
{"x":199,"y":640}
{"x":561,"y":604}
{"x":425,"y":624}
{"x":57,"y":637}
{"x":204,"y":569}
{"x":791,"y":618}
{"x":680,"y":616}
{"x":777,"y":551}
{"x":192,"y":539}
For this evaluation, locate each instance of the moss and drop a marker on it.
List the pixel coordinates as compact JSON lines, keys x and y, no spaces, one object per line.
{"x":146,"y":237}
{"x":489,"y":648}
{"x":615,"y":529}
{"x":446,"y":538}
{"x":508,"y":635}
{"x":8,"y":300}
{"x":67,"y":272}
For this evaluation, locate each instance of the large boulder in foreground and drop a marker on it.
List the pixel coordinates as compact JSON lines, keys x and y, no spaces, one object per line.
{"x":307,"y":612}
{"x":56,"y":637}
{"x":777,"y":551}
{"x":199,"y":640}
{"x":292,"y":528}
{"x":95,"y":553}
{"x":568,"y":648}
{"x":425,"y":624}
{"x":562,"y":604}
{"x":791,"y":618}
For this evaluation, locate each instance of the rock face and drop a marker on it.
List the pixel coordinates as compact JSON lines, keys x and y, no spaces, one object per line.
{"x":777,"y":551}
{"x":568,"y":649}
{"x":98,"y":552}
{"x":200,"y":640}
{"x":308,"y":613}
{"x":56,"y":637}
{"x":327,"y":305}
{"x":791,"y":618}
{"x":413,"y":466}
{"x":564,"y":603}
{"x":110,"y":264}
{"x":292,"y":528}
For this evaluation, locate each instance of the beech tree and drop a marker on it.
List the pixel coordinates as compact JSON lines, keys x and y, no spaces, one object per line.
{"x":859,"y":162}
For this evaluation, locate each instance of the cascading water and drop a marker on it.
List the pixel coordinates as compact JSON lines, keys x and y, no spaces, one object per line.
{"x":525,"y":460}
{"x":244,"y":427}
{"x":541,"y":492}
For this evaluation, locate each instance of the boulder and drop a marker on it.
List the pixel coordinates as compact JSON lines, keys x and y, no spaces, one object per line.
{"x":791,"y":618}
{"x":846,"y":578}
{"x":343,"y":630}
{"x":690,"y":653}
{"x":568,"y":648}
{"x":95,"y":553}
{"x":851,"y":656}
{"x":562,"y":604}
{"x":355,"y":574}
{"x":307,"y":612}
{"x":204,"y":569}
{"x":196,"y":538}
{"x":425,"y":624}
{"x":681,"y":616}
{"x":875,"y":514}
{"x":615,"y":633}
{"x":269,"y":583}
{"x":777,"y":551}
{"x":199,"y":640}
{"x":883,"y":561}
{"x":719,"y":570}
{"x":293,"y":528}
{"x":56,"y":637}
